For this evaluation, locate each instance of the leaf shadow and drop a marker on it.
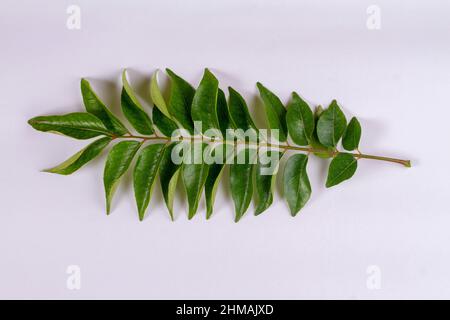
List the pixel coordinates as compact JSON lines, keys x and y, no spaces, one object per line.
{"x":226,"y":79}
{"x":109,"y":92}
{"x":140,"y":82}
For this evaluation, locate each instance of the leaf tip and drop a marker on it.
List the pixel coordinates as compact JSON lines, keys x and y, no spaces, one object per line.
{"x":52,"y":170}
{"x":169,"y":72}
{"x":84,"y":83}
{"x":124,"y":74}
{"x":329,"y":184}
{"x":32,"y":121}
{"x":108,"y":206}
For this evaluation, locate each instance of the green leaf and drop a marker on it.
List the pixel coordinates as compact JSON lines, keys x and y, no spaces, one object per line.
{"x":168,"y":177}
{"x":275,"y":111}
{"x":265,"y":178}
{"x":133,"y":110}
{"x":144,"y":175}
{"x":96,"y":107}
{"x":239,"y":114}
{"x":241,"y":182}
{"x":324,"y":152}
{"x":222,"y":113}
{"x":331,"y":125}
{"x":352,"y":135}
{"x":204,"y":104}
{"x":342,"y":168}
{"x":300,"y":121}
{"x":211,"y":185}
{"x":180,"y":101}
{"x":194,"y":173}
{"x":117,"y":163}
{"x":164,"y":124}
{"x":216,"y":169}
{"x":297,"y":188}
{"x":157,"y":97}
{"x":80,"y":158}
{"x":77,"y":125}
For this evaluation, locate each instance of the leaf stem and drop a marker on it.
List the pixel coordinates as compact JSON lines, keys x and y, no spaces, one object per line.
{"x":358,"y":155}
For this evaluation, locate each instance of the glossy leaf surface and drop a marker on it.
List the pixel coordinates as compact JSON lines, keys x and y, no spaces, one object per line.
{"x":239,"y":114}
{"x":180,"y":101}
{"x":342,"y":168}
{"x":80,"y":158}
{"x":331,"y":125}
{"x":204,"y":103}
{"x":157,"y":96}
{"x":168,"y":177}
{"x":164,"y":124}
{"x":78,"y":125}
{"x":145,"y":173}
{"x":241,"y":183}
{"x":96,"y":107}
{"x":133,"y":110}
{"x":300,"y":121}
{"x":296,"y":185}
{"x":264,"y":181}
{"x":352,"y":135}
{"x":117,"y":163}
{"x":275,"y":111}
{"x":194,"y":175}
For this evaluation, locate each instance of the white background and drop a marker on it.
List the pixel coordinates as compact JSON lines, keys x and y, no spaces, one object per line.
{"x":396,"y":80}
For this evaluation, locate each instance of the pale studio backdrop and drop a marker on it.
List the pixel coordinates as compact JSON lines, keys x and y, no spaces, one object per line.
{"x":384,"y":234}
